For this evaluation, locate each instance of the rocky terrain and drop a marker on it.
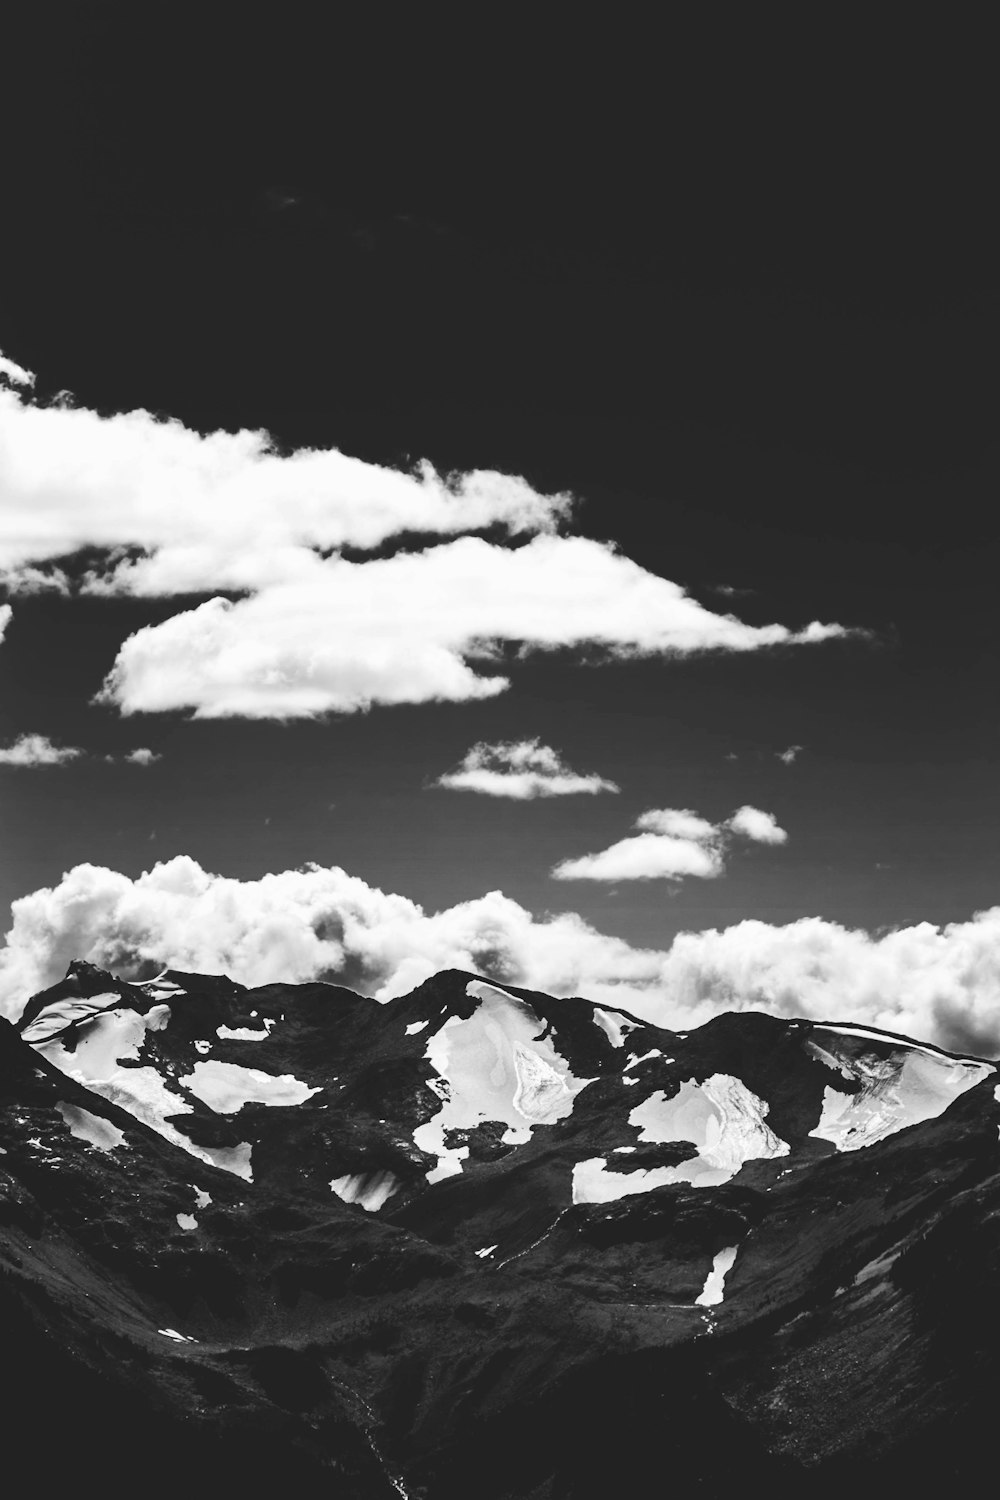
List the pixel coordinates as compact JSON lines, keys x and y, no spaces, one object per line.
{"x":478,"y":1243}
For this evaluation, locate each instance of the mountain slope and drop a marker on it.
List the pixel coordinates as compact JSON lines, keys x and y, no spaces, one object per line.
{"x":480,"y":1241}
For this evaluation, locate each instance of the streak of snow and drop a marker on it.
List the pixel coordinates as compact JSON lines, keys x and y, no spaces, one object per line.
{"x":91,"y":1128}
{"x":487,"y":1250}
{"x":494,"y":1065}
{"x":416,"y":1026}
{"x":368,"y":1189}
{"x":634,"y":1062}
{"x":226,"y":1087}
{"x":180,"y":1338}
{"x":712,"y":1292}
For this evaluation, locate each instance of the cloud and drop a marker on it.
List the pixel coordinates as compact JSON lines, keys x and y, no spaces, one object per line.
{"x":678,"y":822}
{"x":204,"y":508}
{"x":6,"y":615}
{"x":937,"y":984}
{"x":297,"y":925}
{"x":762,"y":827}
{"x":170,"y":512}
{"x":672,"y":844}
{"x":344,"y":635}
{"x":789,"y":755}
{"x":522,"y":769}
{"x":15,"y":373}
{"x":37,"y":750}
{"x":646,"y":856}
{"x":141,"y":757}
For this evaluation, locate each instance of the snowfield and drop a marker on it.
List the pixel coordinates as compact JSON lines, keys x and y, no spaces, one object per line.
{"x":493,"y":1066}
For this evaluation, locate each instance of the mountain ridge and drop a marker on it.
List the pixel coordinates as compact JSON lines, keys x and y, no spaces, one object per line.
{"x":438,"y":1246}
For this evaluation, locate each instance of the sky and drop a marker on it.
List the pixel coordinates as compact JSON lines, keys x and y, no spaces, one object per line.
{"x":504,"y":499}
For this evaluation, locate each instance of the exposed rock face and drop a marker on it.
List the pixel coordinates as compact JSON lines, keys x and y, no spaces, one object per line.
{"x":479,"y":1242}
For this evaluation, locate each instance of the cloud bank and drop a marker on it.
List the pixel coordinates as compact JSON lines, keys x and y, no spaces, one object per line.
{"x":172,"y":512}
{"x":672,"y":844}
{"x":938,"y":984}
{"x":522,"y":769}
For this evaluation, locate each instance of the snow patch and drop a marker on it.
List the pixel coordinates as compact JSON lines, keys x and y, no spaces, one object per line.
{"x":493,"y":1066}
{"x":908,"y":1085}
{"x":201,"y":1198}
{"x":712,"y":1292}
{"x":202,"y":1047}
{"x":720,"y":1117}
{"x":242,"y":1034}
{"x":368,"y":1189}
{"x":226,"y":1087}
{"x":487,"y":1250}
{"x":180,"y":1338}
{"x":187,"y":1221}
{"x":145,"y":1096}
{"x":416,"y":1026}
{"x":615,"y":1025}
{"x":634,"y":1062}
{"x":91,"y":1128}
{"x":62,"y":1013}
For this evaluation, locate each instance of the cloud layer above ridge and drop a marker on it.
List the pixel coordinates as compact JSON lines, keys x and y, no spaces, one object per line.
{"x":171,"y":512}
{"x":939,"y":984}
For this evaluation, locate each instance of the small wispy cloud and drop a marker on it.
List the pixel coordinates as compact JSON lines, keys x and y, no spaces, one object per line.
{"x":673,"y":844}
{"x":37,"y":750}
{"x":522,"y":769}
{"x":15,"y":373}
{"x":790,"y":754}
{"x":141,"y":757}
{"x":761,"y":827}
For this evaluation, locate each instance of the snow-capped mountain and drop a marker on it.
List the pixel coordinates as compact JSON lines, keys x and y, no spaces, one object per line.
{"x":480,"y":1242}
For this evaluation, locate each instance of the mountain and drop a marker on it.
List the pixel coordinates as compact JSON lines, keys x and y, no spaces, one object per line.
{"x":478,"y":1243}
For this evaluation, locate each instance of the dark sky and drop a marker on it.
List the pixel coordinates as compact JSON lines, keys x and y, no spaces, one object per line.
{"x":736,"y":291}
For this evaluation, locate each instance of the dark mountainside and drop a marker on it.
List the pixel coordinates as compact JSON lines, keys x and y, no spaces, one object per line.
{"x":636,"y":1258}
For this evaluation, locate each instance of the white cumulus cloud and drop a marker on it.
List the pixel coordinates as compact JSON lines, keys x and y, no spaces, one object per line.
{"x":6,"y":614}
{"x":37,"y":750}
{"x":937,"y":984}
{"x":790,"y":754}
{"x":672,"y":844}
{"x":194,"y":502}
{"x":344,"y":635}
{"x":522,"y":769}
{"x":172,"y":512}
{"x":141,"y":757}
{"x":754,"y":824}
